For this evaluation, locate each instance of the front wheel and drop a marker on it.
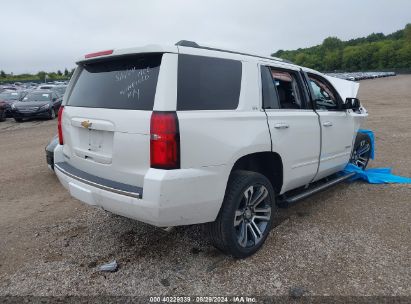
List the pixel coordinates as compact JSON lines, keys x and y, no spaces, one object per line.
{"x":246,"y":216}
{"x":362,"y":151}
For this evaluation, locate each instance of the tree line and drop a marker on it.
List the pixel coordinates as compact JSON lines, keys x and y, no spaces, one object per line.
{"x":38,"y":77}
{"x":374,"y":52}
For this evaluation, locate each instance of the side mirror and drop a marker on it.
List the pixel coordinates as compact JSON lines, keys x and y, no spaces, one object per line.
{"x":352,"y":104}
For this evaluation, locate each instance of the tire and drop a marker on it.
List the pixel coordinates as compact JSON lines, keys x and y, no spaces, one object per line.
{"x":3,"y":116}
{"x":362,"y":151}
{"x":52,"y":114}
{"x":235,"y":217}
{"x":18,"y":119}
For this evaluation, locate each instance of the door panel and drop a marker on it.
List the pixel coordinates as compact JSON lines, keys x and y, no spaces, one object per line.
{"x":295,"y":130}
{"x":295,"y":135}
{"x":337,"y":126}
{"x":337,"y":138}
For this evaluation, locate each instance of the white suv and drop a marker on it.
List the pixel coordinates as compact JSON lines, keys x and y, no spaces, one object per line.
{"x":187,"y":134}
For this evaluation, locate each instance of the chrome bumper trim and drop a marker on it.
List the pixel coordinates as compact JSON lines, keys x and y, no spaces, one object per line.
{"x":97,"y":184}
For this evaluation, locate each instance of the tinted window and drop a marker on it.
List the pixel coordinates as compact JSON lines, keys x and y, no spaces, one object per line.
{"x":270,"y":97}
{"x":324,"y":95}
{"x":122,"y":83}
{"x":206,"y":83}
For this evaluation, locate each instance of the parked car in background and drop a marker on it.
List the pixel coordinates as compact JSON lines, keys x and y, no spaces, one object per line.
{"x":354,"y":76}
{"x":8,"y":87}
{"x":38,"y":103}
{"x":10,"y":97}
{"x":46,"y":87}
{"x":60,"y":89}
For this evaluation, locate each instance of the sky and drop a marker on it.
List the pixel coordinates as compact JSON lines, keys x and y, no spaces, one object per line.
{"x":51,"y":35}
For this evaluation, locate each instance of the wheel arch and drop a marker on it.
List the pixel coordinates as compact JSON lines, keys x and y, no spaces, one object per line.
{"x":267,"y":163}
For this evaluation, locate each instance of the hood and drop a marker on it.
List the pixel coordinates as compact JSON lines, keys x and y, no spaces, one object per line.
{"x":30,"y":104}
{"x":346,"y":88}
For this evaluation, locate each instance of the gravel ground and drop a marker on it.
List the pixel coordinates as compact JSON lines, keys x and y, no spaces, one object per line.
{"x":354,"y":239}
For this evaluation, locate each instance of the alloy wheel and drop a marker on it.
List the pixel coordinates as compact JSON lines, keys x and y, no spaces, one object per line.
{"x":252,"y":216}
{"x":361,"y":154}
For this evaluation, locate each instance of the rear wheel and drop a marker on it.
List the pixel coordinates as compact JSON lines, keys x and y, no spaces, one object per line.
{"x":362,"y":151}
{"x":3,"y":116}
{"x":18,"y":119}
{"x":246,"y":216}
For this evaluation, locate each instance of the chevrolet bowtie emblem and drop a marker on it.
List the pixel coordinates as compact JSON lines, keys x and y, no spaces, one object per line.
{"x":86,"y":124}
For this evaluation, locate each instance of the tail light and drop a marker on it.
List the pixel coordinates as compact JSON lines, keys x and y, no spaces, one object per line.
{"x":164,"y":141}
{"x":59,"y":127}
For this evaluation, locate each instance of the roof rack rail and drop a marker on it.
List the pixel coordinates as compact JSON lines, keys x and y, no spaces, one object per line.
{"x":188,"y":43}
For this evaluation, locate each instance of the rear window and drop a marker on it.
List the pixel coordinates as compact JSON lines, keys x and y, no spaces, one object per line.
{"x":206,"y":83}
{"x":121,"y":83}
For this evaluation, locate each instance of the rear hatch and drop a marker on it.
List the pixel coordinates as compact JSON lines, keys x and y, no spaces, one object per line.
{"x":106,"y":119}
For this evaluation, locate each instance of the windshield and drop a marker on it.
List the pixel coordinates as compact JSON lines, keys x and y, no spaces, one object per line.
{"x":9,"y":96}
{"x":37,"y":96}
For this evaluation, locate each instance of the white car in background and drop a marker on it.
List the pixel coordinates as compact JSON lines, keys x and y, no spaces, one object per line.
{"x":185,"y":134}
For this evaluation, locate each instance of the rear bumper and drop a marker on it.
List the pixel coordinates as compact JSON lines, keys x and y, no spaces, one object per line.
{"x":97,"y":182}
{"x":168,"y":197}
{"x":50,"y":152}
{"x":50,"y":159}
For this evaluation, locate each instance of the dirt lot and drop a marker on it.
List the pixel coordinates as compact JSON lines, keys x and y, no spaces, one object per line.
{"x":354,"y":239}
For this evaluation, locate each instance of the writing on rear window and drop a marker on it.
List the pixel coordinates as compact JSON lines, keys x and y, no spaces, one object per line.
{"x":127,"y":82}
{"x":132,"y":89}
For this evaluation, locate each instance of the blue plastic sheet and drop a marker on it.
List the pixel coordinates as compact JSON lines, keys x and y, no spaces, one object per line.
{"x":375,"y":175}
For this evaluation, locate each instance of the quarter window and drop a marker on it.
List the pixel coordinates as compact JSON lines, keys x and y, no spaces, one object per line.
{"x":206,"y":83}
{"x":269,"y":93}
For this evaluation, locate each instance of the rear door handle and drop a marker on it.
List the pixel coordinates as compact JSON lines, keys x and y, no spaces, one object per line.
{"x":281,"y":126}
{"x":327,"y":124}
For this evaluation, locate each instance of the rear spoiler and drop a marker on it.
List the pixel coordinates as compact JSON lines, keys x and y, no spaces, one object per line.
{"x":151,"y":48}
